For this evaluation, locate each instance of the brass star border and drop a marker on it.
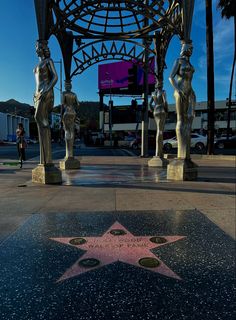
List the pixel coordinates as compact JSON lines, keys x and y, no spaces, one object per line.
{"x":118,"y":244}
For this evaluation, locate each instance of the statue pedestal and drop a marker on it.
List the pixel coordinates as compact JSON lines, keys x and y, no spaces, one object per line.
{"x":46,"y":174}
{"x":69,"y":164}
{"x":182,"y":169}
{"x":158,"y":162}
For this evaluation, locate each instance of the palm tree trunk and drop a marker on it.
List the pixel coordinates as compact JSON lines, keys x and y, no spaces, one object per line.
{"x":210,"y":79}
{"x":231,"y":83}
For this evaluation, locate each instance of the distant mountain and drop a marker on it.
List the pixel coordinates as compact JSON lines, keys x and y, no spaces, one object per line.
{"x":88,"y":110}
{"x":17,"y":108}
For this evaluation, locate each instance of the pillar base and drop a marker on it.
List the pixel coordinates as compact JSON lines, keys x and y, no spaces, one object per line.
{"x":158,"y":162}
{"x":70,"y":164}
{"x":182,"y":169}
{"x":46,"y":174}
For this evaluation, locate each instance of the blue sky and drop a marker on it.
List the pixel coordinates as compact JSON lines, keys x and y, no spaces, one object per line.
{"x":18,"y":33}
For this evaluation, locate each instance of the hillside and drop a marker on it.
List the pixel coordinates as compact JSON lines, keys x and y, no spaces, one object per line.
{"x":88,"y":110}
{"x":17,"y":108}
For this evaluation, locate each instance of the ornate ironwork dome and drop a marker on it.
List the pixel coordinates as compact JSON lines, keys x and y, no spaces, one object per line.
{"x":111,"y":17}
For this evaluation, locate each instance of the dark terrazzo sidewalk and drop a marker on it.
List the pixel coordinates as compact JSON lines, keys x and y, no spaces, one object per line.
{"x":31,"y":264}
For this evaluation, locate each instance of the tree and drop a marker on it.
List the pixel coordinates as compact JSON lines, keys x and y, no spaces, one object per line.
{"x":228,"y":10}
{"x":210,"y":78}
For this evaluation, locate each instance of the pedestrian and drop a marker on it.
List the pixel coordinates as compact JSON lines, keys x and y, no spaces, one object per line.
{"x":21,"y":143}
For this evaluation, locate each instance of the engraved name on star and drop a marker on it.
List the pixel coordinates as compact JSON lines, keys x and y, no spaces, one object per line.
{"x":118,"y":244}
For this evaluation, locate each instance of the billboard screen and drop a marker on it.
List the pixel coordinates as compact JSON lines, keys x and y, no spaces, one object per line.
{"x":115,"y":75}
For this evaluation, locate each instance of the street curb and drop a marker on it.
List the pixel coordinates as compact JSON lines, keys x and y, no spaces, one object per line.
{"x":205,"y":157}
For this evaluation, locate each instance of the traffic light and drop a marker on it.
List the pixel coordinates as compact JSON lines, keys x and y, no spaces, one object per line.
{"x":133,"y":78}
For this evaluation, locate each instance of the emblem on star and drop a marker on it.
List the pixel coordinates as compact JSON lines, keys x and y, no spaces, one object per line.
{"x":118,"y":244}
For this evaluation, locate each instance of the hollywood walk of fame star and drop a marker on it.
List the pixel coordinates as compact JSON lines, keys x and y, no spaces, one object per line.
{"x":118,"y":244}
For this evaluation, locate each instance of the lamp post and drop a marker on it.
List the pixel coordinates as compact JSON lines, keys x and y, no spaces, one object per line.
{"x":210,"y":78}
{"x":145,"y":120}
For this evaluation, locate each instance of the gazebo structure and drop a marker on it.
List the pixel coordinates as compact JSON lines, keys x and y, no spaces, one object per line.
{"x":90,"y":32}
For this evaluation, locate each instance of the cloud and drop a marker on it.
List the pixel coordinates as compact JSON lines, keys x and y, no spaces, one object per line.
{"x":223,"y":57}
{"x":223,"y":40}
{"x":223,"y":45}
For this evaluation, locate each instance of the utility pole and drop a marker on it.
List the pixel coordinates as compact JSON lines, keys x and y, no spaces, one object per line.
{"x":110,"y":110}
{"x":144,"y":136}
{"x":110,"y":116}
{"x":210,"y":78}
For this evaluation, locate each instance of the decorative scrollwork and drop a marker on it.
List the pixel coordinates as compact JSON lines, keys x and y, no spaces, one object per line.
{"x":98,"y":27}
{"x":98,"y":51}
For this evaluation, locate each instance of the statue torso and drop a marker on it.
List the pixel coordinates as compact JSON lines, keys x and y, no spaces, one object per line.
{"x":158,"y":103}
{"x":185,"y":74}
{"x":42,"y":75}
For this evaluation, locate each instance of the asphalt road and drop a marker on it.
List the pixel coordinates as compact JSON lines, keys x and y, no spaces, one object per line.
{"x":10,"y":152}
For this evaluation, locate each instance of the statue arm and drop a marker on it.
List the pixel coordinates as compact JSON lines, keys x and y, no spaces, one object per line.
{"x":63,"y":101}
{"x":173,"y":74}
{"x":165,"y":102}
{"x":192,"y":102}
{"x":150,"y":103}
{"x":53,"y":72}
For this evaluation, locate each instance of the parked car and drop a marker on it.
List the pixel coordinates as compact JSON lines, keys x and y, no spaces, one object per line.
{"x":222,"y":143}
{"x":198,"y":142}
{"x":136,"y":143}
{"x":126,"y":141}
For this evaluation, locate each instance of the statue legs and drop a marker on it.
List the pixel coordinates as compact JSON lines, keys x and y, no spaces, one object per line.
{"x":45,"y":172}
{"x":183,"y":168}
{"x":183,"y":128}
{"x":45,"y":144}
{"x":69,"y":126}
{"x":41,"y":117}
{"x":158,"y":160}
{"x":160,"y":123}
{"x":69,"y":146}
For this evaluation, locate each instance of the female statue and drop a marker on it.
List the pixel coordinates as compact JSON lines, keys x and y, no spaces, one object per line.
{"x":70,"y":104}
{"x":181,"y":78}
{"x":160,"y":110}
{"x":46,"y":78}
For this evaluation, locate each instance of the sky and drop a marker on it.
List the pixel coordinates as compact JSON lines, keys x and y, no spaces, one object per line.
{"x":18,"y":33}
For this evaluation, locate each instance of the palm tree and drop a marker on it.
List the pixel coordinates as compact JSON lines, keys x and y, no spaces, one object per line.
{"x":210,"y":78}
{"x":228,"y":10}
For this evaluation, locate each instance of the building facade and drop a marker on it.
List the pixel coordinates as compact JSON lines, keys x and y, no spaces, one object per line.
{"x":9,"y":124}
{"x":124,"y":119}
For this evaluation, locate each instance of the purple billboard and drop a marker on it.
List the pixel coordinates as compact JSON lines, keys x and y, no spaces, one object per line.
{"x":115,"y":75}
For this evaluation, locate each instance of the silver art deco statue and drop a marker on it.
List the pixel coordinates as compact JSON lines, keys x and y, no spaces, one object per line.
{"x":46,"y":78}
{"x":70,"y":104}
{"x":160,"y":109}
{"x":181,"y":78}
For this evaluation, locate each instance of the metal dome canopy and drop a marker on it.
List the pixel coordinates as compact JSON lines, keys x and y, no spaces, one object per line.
{"x":119,"y":18}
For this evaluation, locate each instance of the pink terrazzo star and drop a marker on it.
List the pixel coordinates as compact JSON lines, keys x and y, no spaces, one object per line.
{"x":125,"y":247}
